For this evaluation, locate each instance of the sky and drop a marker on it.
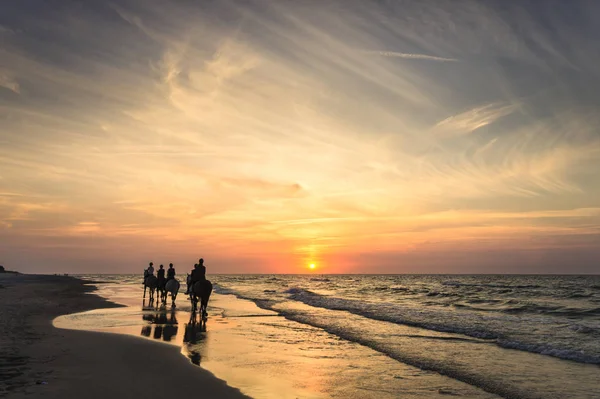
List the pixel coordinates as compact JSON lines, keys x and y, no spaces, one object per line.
{"x":365,"y":136}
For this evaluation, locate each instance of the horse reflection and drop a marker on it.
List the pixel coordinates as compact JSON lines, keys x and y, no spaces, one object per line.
{"x":162,"y":325}
{"x":194,"y":334}
{"x":152,"y":304}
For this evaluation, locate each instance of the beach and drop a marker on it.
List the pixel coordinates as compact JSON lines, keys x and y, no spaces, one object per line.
{"x":299,"y":336}
{"x":39,"y":360}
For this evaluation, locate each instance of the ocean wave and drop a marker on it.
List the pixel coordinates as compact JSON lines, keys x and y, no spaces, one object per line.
{"x":585,"y":329}
{"x":441,"y":294}
{"x":474,"y":308}
{"x":481,"y":300}
{"x":579,"y":295}
{"x":295,"y":290}
{"x":382,"y":288}
{"x":374,"y":312}
{"x":385,"y":288}
{"x":548,"y":350}
{"x":553,"y":310}
{"x":491,"y":285}
{"x":438,"y":305}
{"x":489,"y":384}
{"x":531,"y":308}
{"x":223,"y":291}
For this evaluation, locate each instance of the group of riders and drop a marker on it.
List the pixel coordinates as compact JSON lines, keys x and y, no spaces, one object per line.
{"x":198,"y":274}
{"x":198,"y":287}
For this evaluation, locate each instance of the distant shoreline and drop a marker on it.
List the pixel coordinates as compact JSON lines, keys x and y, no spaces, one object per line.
{"x":76,"y":275}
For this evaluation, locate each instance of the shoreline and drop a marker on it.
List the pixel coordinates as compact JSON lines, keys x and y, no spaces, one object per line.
{"x":42,"y":360}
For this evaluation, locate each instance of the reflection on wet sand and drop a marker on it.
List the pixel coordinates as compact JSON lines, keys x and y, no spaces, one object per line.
{"x":195,"y":331}
{"x":163,"y":325}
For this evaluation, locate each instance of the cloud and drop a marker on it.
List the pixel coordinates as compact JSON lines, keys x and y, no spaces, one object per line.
{"x":473,"y":119}
{"x":9,"y":83}
{"x":411,"y":56}
{"x":260,"y":128}
{"x":6,"y":30}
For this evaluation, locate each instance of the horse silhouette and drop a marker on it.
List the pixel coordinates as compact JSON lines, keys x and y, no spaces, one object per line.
{"x":171,"y":287}
{"x":201,"y":291}
{"x":151,"y":282}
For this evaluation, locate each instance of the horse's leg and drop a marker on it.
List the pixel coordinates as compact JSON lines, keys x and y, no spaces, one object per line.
{"x":204,"y":313}
{"x":194,"y":303}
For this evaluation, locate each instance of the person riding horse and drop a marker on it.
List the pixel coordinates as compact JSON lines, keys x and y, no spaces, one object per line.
{"x":160,"y":274}
{"x":150,"y":281}
{"x":199,"y":272}
{"x":170,"y":286}
{"x":170,"y":272}
{"x":201,"y":288}
{"x":148,"y":272}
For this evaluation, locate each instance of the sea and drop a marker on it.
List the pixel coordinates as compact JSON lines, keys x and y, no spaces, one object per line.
{"x":377,"y":336}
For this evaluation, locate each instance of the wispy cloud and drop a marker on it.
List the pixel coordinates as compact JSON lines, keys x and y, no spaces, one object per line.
{"x":5,"y":30}
{"x":411,"y":56}
{"x":473,"y":119}
{"x":9,"y":82}
{"x":260,"y":131}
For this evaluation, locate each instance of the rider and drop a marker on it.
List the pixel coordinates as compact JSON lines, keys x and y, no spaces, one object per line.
{"x":150,"y":269}
{"x":161,"y":276}
{"x":170,"y":272}
{"x":199,"y":272}
{"x":148,"y":272}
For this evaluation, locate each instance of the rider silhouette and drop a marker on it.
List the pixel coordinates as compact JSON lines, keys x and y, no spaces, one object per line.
{"x":199,"y":272}
{"x":161,"y":276}
{"x":170,"y":272}
{"x":148,"y":272}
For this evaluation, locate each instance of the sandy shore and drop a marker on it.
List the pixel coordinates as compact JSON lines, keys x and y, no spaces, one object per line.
{"x":38,"y":360}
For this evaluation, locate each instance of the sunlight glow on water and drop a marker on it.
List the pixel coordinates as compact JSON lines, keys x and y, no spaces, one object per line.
{"x":324,"y":336}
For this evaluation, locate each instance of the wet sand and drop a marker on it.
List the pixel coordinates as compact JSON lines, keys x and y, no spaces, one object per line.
{"x":262,"y":353}
{"x":39,"y":360}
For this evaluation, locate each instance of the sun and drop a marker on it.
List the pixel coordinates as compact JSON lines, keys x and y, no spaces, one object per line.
{"x":311,"y":266}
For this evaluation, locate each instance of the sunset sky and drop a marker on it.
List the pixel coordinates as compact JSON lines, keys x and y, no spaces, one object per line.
{"x":365,"y":136}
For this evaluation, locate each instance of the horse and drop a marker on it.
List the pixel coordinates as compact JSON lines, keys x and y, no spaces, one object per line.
{"x":172,"y":287}
{"x":201,"y":290}
{"x":160,"y":289}
{"x":188,"y":282}
{"x":150,"y":282}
